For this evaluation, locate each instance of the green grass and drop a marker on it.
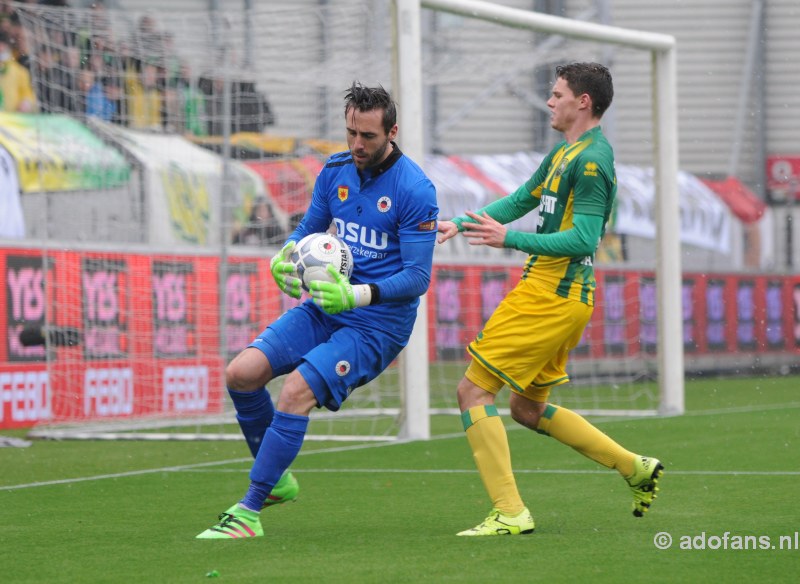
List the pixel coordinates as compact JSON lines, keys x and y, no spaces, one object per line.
{"x":129,"y":511}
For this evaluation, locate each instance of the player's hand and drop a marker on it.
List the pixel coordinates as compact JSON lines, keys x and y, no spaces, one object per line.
{"x":340,"y":295}
{"x":484,"y":230}
{"x":284,"y":272}
{"x":446,"y":229}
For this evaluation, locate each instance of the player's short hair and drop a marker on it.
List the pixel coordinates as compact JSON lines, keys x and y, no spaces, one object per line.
{"x":366,"y":99}
{"x":593,"y":79}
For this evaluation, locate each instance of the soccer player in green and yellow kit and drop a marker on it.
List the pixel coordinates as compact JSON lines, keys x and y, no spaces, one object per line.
{"x":526,"y":342}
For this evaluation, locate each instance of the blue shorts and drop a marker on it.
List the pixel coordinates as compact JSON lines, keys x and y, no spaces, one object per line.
{"x":332,"y":355}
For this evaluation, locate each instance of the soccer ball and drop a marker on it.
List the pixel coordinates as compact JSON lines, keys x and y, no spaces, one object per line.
{"x":314,"y":252}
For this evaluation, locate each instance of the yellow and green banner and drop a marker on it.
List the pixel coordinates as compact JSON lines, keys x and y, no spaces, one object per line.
{"x":57,"y":153}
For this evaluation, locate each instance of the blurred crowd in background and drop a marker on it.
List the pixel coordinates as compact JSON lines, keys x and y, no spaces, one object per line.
{"x":83,"y":68}
{"x":54,"y":59}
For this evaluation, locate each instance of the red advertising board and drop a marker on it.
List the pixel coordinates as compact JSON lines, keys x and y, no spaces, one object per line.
{"x":150,"y":326}
{"x":722,"y":313}
{"x":149,"y":329}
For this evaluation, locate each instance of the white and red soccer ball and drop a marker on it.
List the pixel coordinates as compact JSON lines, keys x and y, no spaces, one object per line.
{"x":312,"y":255}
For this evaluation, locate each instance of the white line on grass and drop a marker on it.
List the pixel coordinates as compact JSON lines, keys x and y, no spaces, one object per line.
{"x":183,"y":467}
{"x":201,"y":465}
{"x":768,"y":473}
{"x":744,"y":409}
{"x":131,"y":473}
{"x":204,"y":467}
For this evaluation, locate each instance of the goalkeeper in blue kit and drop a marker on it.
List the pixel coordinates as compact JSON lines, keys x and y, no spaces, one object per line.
{"x":382,"y":204}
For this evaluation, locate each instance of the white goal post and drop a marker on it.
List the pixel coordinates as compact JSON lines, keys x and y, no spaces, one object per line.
{"x":668,"y":269}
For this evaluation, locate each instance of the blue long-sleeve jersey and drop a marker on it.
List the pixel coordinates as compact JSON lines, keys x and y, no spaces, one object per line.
{"x":387,"y":215}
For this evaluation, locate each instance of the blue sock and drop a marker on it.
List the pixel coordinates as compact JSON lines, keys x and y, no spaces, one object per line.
{"x":282,"y":443}
{"x":254,"y":412}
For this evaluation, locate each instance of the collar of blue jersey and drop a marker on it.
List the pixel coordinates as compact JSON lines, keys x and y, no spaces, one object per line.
{"x":386,"y":164}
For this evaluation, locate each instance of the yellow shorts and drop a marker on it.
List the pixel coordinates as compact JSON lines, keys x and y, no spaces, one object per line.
{"x":526,"y":342}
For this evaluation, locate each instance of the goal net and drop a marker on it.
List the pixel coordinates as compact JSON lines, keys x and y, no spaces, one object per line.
{"x":163,"y":273}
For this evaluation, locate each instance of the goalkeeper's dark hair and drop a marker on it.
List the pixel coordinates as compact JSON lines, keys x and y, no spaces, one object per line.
{"x":366,"y":99}
{"x":593,"y":79}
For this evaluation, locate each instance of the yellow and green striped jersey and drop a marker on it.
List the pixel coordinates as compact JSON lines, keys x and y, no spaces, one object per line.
{"x":576,"y":178}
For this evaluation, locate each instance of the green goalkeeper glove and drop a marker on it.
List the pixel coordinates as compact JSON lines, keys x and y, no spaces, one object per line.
{"x":341,"y":295}
{"x":284,"y":272}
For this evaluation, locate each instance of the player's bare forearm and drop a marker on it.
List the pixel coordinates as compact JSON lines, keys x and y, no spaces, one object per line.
{"x":484,"y":230}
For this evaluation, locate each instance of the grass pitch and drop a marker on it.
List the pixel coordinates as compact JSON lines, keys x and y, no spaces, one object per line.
{"x":129,"y":511}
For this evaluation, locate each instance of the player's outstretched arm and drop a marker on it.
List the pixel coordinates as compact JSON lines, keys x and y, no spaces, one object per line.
{"x":340,"y":295}
{"x":284,"y":272}
{"x":579,"y":241}
{"x":499,"y":212}
{"x":484,"y":230}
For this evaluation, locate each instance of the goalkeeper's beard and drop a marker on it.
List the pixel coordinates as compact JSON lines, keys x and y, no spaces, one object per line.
{"x":374,"y":160}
